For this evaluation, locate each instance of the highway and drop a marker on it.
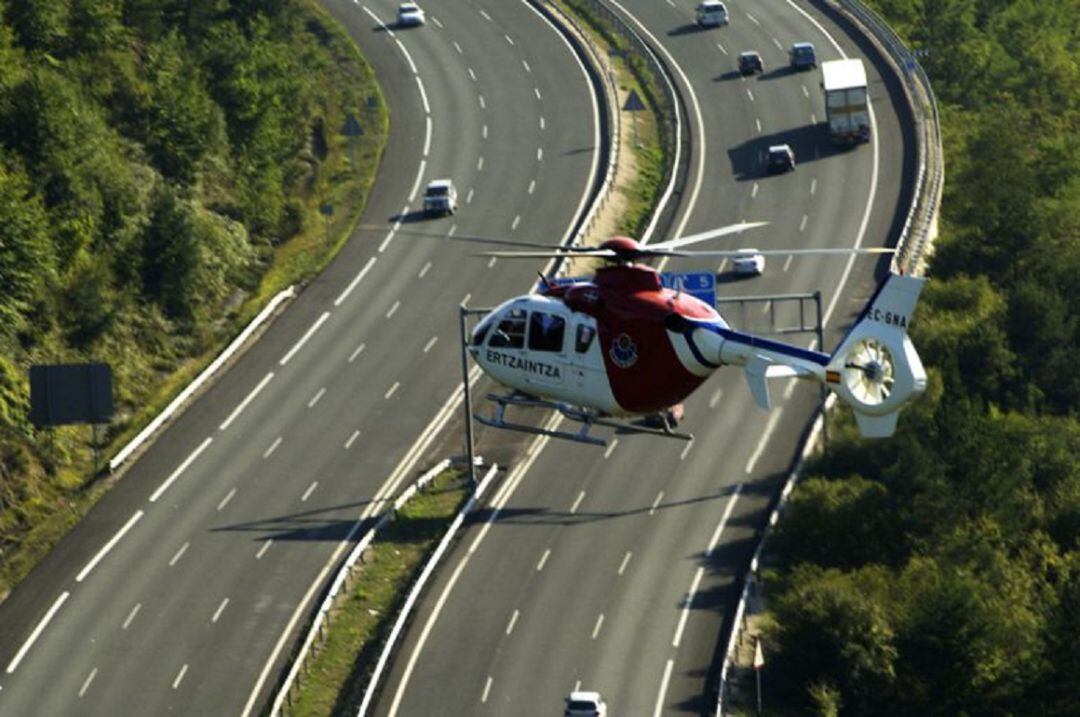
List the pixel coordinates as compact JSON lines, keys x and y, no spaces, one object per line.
{"x":615,"y":569}
{"x":183,"y":589}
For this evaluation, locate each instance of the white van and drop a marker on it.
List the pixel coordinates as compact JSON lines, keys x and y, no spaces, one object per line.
{"x":712,"y":13}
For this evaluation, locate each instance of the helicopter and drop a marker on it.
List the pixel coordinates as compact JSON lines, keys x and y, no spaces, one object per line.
{"x":622,"y":350}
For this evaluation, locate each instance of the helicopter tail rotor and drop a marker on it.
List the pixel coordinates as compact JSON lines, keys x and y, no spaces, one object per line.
{"x":876,"y":368}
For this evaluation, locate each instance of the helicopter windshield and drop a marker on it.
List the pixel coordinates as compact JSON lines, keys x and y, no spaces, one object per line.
{"x":546,"y":331}
{"x":510,"y":333}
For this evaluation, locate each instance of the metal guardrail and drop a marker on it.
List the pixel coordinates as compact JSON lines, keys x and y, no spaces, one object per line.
{"x":920,"y":227}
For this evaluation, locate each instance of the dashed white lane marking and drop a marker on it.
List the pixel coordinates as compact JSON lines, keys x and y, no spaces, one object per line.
{"x":359,"y":350}
{"x":764,"y":439}
{"x":754,"y":190}
{"x":352,"y":439}
{"x":465,"y":299}
{"x":757,"y":121}
{"x":393,"y":390}
{"x":468,"y":198}
{"x":131,"y":615}
{"x":513,"y":621}
{"x":790,"y":388}
{"x":458,"y":48}
{"x":656,"y":502}
{"x":480,"y":165}
{"x":430,"y":343}
{"x":412,"y":193}
{"x":625,"y":562}
{"x":262,"y":551}
{"x":437,"y":23}
{"x":393,"y":309}
{"x":787,"y":263}
{"x":426,"y":268}
{"x":109,"y":546}
{"x":487,"y":689}
{"x":483,"y":132}
{"x":539,"y":154}
{"x":543,"y":559}
{"x":316,"y":397}
{"x":532,"y":186}
{"x":179,"y":554}
{"x":611,"y":448}
{"x":671,"y":3}
{"x":596,"y":628}
{"x":273,"y":447}
{"x":663,"y":688}
{"x":248,"y":399}
{"x":802,"y":224}
{"x":685,"y":451}
{"x":303,"y":339}
{"x":720,"y":269}
{"x":472,"y":74}
{"x":750,"y":94}
{"x":686,"y":608}
{"x":514,"y":224}
{"x":485,"y":16}
{"x":180,"y":677}
{"x":721,"y":48}
{"x":356,"y":280}
{"x":483,"y":105}
{"x":543,"y":122}
{"x":723,"y":520}
{"x":577,"y":503}
{"x":779,"y":47}
{"x":577,"y":686}
{"x":225,"y":501}
{"x":509,"y":39}
{"x":813,"y":118}
{"x":806,"y":93}
{"x":525,"y":64}
{"x":716,"y":398}
{"x":813,"y":186}
{"x":86,"y":684}
{"x":427,"y":136}
{"x":14,"y":664}
{"x":309,"y":491}
{"x":491,"y":263}
{"x":221,"y":609}
{"x":765,"y":307}
{"x":536,"y":90}
{"x":752,"y":19}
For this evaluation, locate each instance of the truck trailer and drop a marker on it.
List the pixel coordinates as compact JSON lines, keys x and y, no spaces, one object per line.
{"x":846,"y":103}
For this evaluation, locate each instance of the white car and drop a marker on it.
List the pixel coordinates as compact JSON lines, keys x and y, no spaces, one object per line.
{"x":440,"y":197}
{"x":748,"y":262}
{"x":712,"y":13}
{"x":585,"y":704}
{"x":409,"y":15}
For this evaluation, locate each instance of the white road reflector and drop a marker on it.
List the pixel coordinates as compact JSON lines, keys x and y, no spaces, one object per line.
{"x":759,"y":656}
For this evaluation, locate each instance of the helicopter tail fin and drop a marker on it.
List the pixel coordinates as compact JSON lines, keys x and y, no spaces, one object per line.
{"x":876,"y":368}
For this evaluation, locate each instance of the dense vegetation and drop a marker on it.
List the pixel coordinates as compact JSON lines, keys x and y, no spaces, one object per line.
{"x":938,"y":573}
{"x":162,"y":163}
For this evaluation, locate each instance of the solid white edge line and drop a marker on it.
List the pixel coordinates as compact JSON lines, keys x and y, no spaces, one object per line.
{"x":723,"y":520}
{"x":686,"y":608}
{"x":419,"y":178}
{"x":180,"y":469}
{"x":408,"y":57}
{"x":42,"y":624}
{"x":765,"y":436}
{"x":109,"y":546}
{"x":356,"y":280}
{"x":303,"y":339}
{"x":248,"y":399}
{"x":423,"y":95}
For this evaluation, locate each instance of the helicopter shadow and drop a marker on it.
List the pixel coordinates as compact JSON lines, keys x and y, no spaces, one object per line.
{"x":809,"y":143}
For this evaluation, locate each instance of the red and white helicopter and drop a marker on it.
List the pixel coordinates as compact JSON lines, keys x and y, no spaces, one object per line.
{"x":622,"y":346}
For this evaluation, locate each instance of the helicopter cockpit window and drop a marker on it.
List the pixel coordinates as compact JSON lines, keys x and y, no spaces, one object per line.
{"x":585,"y":336}
{"x":510,"y":333}
{"x":546,"y":331}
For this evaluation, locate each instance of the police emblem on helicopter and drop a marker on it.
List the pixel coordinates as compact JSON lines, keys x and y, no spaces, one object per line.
{"x":623,"y":351}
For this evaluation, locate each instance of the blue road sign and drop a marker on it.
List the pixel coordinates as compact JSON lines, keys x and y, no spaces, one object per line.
{"x":699,"y":284}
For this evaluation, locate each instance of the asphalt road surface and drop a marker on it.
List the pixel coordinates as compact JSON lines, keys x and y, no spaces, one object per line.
{"x":180,"y":592}
{"x":615,"y":569}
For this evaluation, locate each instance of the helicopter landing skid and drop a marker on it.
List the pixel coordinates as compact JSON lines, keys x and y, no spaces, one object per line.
{"x":585,"y":418}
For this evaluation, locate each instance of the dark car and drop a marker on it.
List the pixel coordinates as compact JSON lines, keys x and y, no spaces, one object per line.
{"x":750,"y":63}
{"x":781,"y":159}
{"x":803,"y":56}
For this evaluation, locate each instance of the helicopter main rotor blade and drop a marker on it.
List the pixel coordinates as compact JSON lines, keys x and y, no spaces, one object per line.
{"x":705,"y":236}
{"x":570,"y":251}
{"x":731,"y":253}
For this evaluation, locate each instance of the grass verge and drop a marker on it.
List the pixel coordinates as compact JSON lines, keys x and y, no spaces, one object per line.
{"x":338,"y":671}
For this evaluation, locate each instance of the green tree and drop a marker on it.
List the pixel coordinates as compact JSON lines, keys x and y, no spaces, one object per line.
{"x":27,"y":262}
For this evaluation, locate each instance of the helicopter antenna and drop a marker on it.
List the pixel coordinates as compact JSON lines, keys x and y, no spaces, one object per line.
{"x":544,"y":281}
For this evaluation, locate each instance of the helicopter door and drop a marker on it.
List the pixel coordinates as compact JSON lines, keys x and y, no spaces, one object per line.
{"x":547,"y":352}
{"x":581,"y":362}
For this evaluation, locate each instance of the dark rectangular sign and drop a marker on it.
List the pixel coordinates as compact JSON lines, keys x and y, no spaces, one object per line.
{"x":70,"y":393}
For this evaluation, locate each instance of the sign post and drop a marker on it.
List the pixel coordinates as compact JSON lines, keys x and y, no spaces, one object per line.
{"x":759,"y":662}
